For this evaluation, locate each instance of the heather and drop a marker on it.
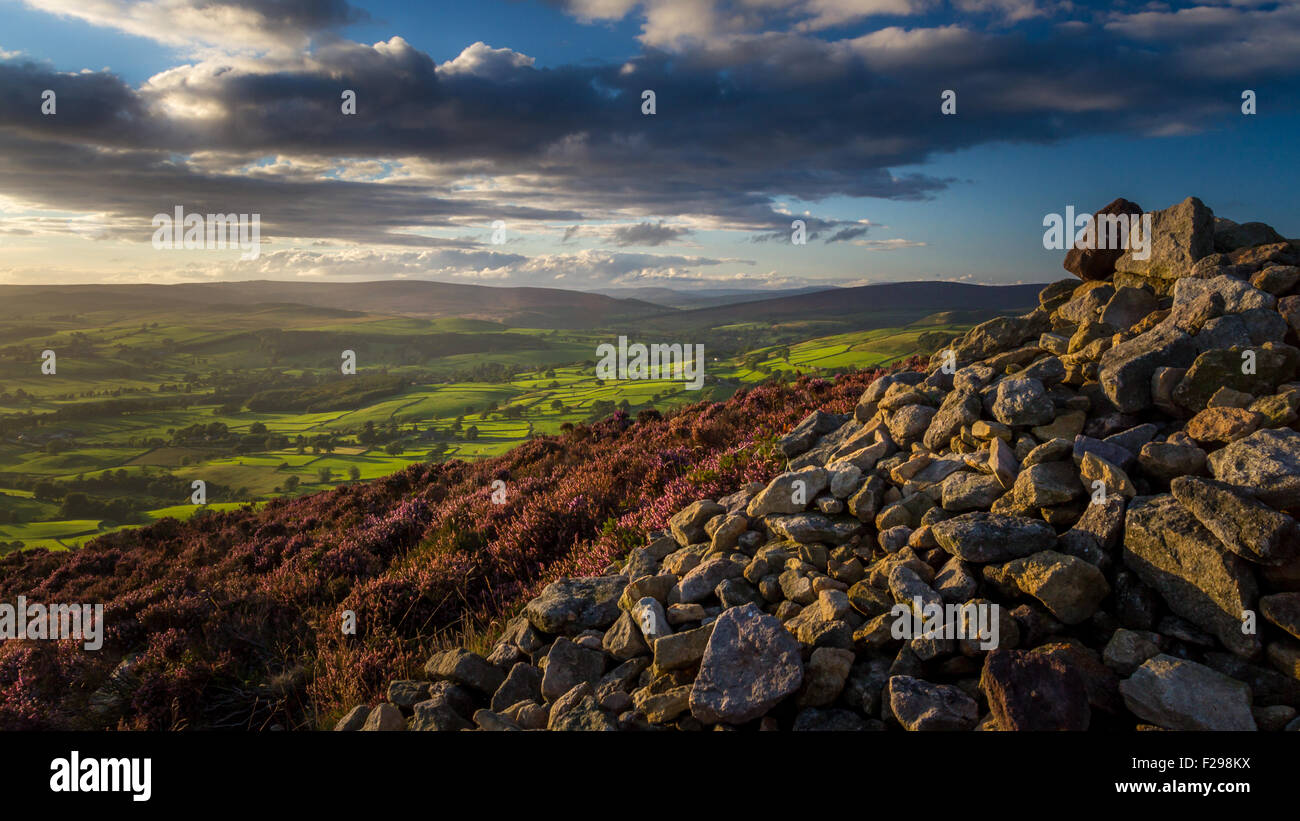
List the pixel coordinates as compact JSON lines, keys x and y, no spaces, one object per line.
{"x":234,"y":620}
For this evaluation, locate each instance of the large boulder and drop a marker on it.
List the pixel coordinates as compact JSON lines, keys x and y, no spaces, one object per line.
{"x":751,"y":663}
{"x":1180,"y":235}
{"x":1200,"y":579}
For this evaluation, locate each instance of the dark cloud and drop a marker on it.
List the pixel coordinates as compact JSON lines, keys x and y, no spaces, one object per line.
{"x":647,"y":233}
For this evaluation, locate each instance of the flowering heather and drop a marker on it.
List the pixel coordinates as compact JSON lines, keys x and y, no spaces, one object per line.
{"x":233,"y":620}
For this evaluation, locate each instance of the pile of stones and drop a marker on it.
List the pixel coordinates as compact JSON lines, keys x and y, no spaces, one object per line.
{"x":1075,"y":518}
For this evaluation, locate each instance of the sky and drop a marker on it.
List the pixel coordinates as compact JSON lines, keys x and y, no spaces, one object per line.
{"x":529,"y":117}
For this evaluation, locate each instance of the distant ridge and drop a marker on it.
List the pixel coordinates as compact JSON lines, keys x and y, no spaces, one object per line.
{"x":525,"y":307}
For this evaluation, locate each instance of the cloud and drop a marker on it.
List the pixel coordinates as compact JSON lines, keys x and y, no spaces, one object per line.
{"x":258,"y":25}
{"x":758,"y":103}
{"x":646,"y":233}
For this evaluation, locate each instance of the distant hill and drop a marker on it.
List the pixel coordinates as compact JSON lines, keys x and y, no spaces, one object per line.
{"x":520,"y":307}
{"x":865,"y":306}
{"x":703,"y":298}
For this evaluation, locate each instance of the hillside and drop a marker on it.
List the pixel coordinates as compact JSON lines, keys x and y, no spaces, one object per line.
{"x":232,"y":620}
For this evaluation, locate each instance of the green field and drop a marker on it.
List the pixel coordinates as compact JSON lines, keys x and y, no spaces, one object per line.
{"x":140,"y":407}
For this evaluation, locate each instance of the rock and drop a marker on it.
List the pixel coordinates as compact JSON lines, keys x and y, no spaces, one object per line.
{"x":699,"y":584}
{"x":1029,"y":691}
{"x":813,"y":426}
{"x":1283,"y":610}
{"x":970,"y":491}
{"x":354,"y":720}
{"x":466,"y":669}
{"x":651,"y":619}
{"x":1242,"y":524}
{"x":1066,"y":426}
{"x":523,"y":683}
{"x":789,"y":492}
{"x":1223,"y":424}
{"x":1095,"y":469}
{"x":437,"y":715}
{"x":1237,"y":295}
{"x":682,"y":650}
{"x":1267,"y":462}
{"x":656,"y":587}
{"x":1128,"y":307}
{"x":1229,"y":236}
{"x":1069,"y":587}
{"x":991,"y":537}
{"x":1182,"y":695}
{"x":1126,"y":370}
{"x":1128,"y":649}
{"x":909,"y":424}
{"x":1045,"y":484}
{"x":1165,"y":461}
{"x":1179,"y":236}
{"x":384,"y":718}
{"x":1022,"y":402}
{"x":809,"y":528}
{"x":688,"y":524}
{"x":572,"y":605}
{"x":1198,"y":578}
{"x":1215,"y":369}
{"x":922,"y":706}
{"x":824,"y":677}
{"x":959,"y":408}
{"x":1098,"y":263}
{"x":956,"y":581}
{"x":751,"y":663}
{"x":568,"y":665}
{"x":623,"y":640}
{"x":660,"y":708}
{"x":405,"y":693}
{"x":585,"y":716}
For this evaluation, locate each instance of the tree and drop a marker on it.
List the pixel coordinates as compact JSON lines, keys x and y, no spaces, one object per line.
{"x":324,"y":475}
{"x":354,"y":473}
{"x":291,"y":483}
{"x":471,"y":433}
{"x":257,"y":427}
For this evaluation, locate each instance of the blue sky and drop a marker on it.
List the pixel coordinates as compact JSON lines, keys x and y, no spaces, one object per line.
{"x":529,"y":113}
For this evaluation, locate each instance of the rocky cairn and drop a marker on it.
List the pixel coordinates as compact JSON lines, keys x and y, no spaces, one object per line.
{"x":1111,"y":476}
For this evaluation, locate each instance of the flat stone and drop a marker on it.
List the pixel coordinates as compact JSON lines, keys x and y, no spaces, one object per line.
{"x":1241,"y":523}
{"x":1198,"y":577}
{"x":991,"y":537}
{"x":1267,"y":462}
{"x":1182,"y":695}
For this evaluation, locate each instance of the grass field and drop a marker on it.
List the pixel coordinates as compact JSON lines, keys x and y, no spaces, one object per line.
{"x":145,"y":406}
